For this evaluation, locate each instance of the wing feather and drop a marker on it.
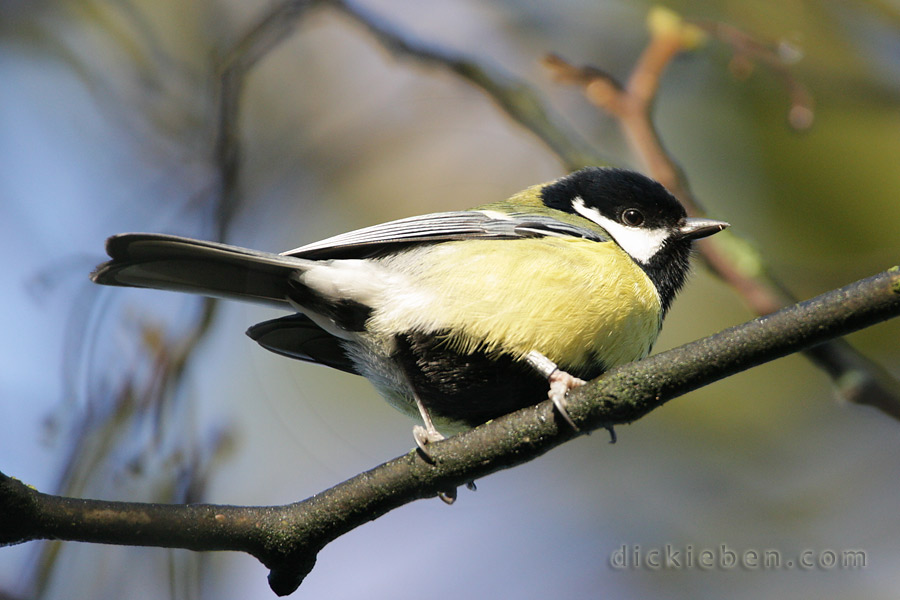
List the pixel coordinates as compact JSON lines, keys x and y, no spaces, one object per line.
{"x":441,"y":227}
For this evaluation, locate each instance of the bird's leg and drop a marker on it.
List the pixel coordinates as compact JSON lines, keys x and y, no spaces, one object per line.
{"x":560,"y":382}
{"x":427,"y":434}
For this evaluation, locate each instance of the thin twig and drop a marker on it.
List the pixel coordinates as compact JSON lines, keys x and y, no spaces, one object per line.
{"x":514,"y":97}
{"x":749,"y":50}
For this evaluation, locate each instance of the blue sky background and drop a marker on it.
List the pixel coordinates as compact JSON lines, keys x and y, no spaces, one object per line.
{"x":106,"y":114}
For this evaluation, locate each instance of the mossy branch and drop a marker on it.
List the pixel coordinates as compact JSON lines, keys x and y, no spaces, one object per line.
{"x":287,"y":538}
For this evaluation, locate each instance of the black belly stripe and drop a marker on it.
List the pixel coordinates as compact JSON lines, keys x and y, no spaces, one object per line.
{"x":471,"y":388}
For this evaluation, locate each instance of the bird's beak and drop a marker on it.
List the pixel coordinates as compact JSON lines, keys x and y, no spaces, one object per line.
{"x":694,"y":229}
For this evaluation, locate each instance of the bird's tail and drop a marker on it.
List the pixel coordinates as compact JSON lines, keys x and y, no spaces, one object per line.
{"x":169,"y":262}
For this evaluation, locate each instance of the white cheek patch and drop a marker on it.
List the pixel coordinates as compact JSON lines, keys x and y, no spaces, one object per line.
{"x":641,"y":244}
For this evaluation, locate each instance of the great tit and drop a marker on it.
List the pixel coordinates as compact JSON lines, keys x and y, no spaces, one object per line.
{"x":458,"y":317}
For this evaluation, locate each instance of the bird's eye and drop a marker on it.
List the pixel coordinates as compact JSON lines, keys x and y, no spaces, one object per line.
{"x":632,"y":217}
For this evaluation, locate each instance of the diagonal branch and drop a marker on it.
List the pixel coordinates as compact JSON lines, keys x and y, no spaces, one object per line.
{"x":288,"y":538}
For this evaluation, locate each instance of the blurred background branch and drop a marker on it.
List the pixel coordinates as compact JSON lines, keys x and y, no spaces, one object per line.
{"x":202,"y":119}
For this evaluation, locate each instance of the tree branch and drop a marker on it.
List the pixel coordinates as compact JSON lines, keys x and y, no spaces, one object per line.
{"x":288,"y":538}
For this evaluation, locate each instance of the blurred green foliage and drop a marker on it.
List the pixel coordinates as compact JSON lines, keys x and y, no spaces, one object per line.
{"x":110,"y":118}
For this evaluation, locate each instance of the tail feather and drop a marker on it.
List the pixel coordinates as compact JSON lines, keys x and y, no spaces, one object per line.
{"x":169,"y":262}
{"x":297,"y":336}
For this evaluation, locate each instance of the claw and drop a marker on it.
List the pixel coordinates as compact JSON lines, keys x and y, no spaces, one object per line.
{"x":448,"y":496}
{"x":612,"y":434}
{"x":560,"y":384}
{"x":424,"y":437}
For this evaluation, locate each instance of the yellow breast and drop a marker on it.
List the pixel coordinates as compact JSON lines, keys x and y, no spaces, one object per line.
{"x":572,"y":300}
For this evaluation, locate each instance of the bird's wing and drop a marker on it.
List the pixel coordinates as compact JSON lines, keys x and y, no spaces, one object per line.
{"x":441,"y":227}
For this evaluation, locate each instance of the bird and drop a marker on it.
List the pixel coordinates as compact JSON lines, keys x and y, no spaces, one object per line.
{"x":458,"y":317}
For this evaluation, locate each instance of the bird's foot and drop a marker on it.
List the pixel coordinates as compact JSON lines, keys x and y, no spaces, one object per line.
{"x":425,"y":436}
{"x":560,"y":385}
